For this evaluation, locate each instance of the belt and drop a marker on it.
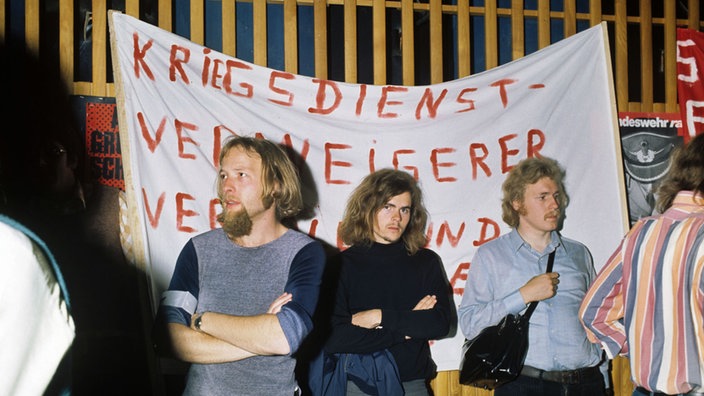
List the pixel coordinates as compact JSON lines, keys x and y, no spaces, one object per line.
{"x":651,"y":393}
{"x":564,"y":377}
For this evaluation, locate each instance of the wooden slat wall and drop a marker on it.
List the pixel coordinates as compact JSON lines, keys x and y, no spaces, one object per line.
{"x":618,"y":23}
{"x":446,"y":383}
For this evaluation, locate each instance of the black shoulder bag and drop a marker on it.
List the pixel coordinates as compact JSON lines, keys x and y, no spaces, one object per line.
{"x":496,"y":355}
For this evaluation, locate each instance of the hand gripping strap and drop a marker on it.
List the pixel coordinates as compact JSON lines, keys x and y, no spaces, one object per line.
{"x":532,"y":305}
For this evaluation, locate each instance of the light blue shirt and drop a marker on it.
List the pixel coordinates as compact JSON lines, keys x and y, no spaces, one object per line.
{"x":499,"y":268}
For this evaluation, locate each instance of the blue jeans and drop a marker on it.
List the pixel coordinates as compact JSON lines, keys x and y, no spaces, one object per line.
{"x":528,"y":386}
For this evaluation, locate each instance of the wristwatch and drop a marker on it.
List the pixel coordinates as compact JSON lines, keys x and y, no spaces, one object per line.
{"x":198,"y":321}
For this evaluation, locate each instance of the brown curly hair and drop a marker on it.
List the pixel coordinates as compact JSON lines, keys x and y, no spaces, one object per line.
{"x":686,"y":173}
{"x":529,"y":171}
{"x":375,"y":191}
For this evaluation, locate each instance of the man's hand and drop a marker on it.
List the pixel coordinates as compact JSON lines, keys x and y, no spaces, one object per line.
{"x":280,"y":301}
{"x":369,"y":319}
{"x":427,"y":302}
{"x":540,"y":287}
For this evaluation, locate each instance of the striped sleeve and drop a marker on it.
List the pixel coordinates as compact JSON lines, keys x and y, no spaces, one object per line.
{"x":602,"y":309}
{"x":647,"y":302}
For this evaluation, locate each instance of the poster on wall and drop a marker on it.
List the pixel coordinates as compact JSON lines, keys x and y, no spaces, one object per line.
{"x":690,"y":73}
{"x":97,"y":119}
{"x":647,"y":140}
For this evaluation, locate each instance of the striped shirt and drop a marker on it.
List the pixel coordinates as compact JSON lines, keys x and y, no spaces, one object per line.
{"x":647,"y":302}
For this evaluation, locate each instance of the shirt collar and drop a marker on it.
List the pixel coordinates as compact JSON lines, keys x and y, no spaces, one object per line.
{"x":517,"y":242}
{"x":688,"y":198}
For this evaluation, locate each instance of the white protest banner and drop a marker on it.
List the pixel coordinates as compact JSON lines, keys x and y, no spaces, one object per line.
{"x":179,"y":100}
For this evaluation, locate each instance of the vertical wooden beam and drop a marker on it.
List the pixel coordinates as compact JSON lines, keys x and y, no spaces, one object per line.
{"x":66,"y":43}
{"x":693,"y":16}
{"x":379,"y":44}
{"x":621,"y":72}
{"x":491,"y":52}
{"x":350,"y":29}
{"x":3,"y":21}
{"x":290,"y":36}
{"x":543,"y":23}
{"x":100,"y":49}
{"x":229,"y":27}
{"x":646,"y":56}
{"x":132,"y":8}
{"x":407,"y":42}
{"x":436,"y":64}
{"x":260,"y":32}
{"x":464,"y":42}
{"x":321,"y":41}
{"x":165,"y":15}
{"x":570,"y":19}
{"x":518,"y":37}
{"x":197,"y":22}
{"x":31,"y":26}
{"x":671,"y":56}
{"x":621,"y":370}
{"x":595,"y":17}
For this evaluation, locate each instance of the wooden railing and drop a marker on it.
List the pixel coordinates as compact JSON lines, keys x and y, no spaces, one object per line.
{"x":642,"y":42}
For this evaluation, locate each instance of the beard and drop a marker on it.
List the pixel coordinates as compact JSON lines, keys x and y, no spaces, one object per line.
{"x":235,"y":224}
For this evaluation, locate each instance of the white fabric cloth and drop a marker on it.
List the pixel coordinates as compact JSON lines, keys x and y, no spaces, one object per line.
{"x":37,"y":328}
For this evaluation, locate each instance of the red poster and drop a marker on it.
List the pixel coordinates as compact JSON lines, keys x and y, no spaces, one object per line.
{"x":98,"y":119}
{"x":690,"y":80}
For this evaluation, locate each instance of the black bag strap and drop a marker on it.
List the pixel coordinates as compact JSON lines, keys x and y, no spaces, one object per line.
{"x":531,"y":307}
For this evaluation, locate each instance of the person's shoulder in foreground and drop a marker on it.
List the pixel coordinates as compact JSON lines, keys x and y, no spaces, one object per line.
{"x":35,"y":344}
{"x":646,"y":303}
